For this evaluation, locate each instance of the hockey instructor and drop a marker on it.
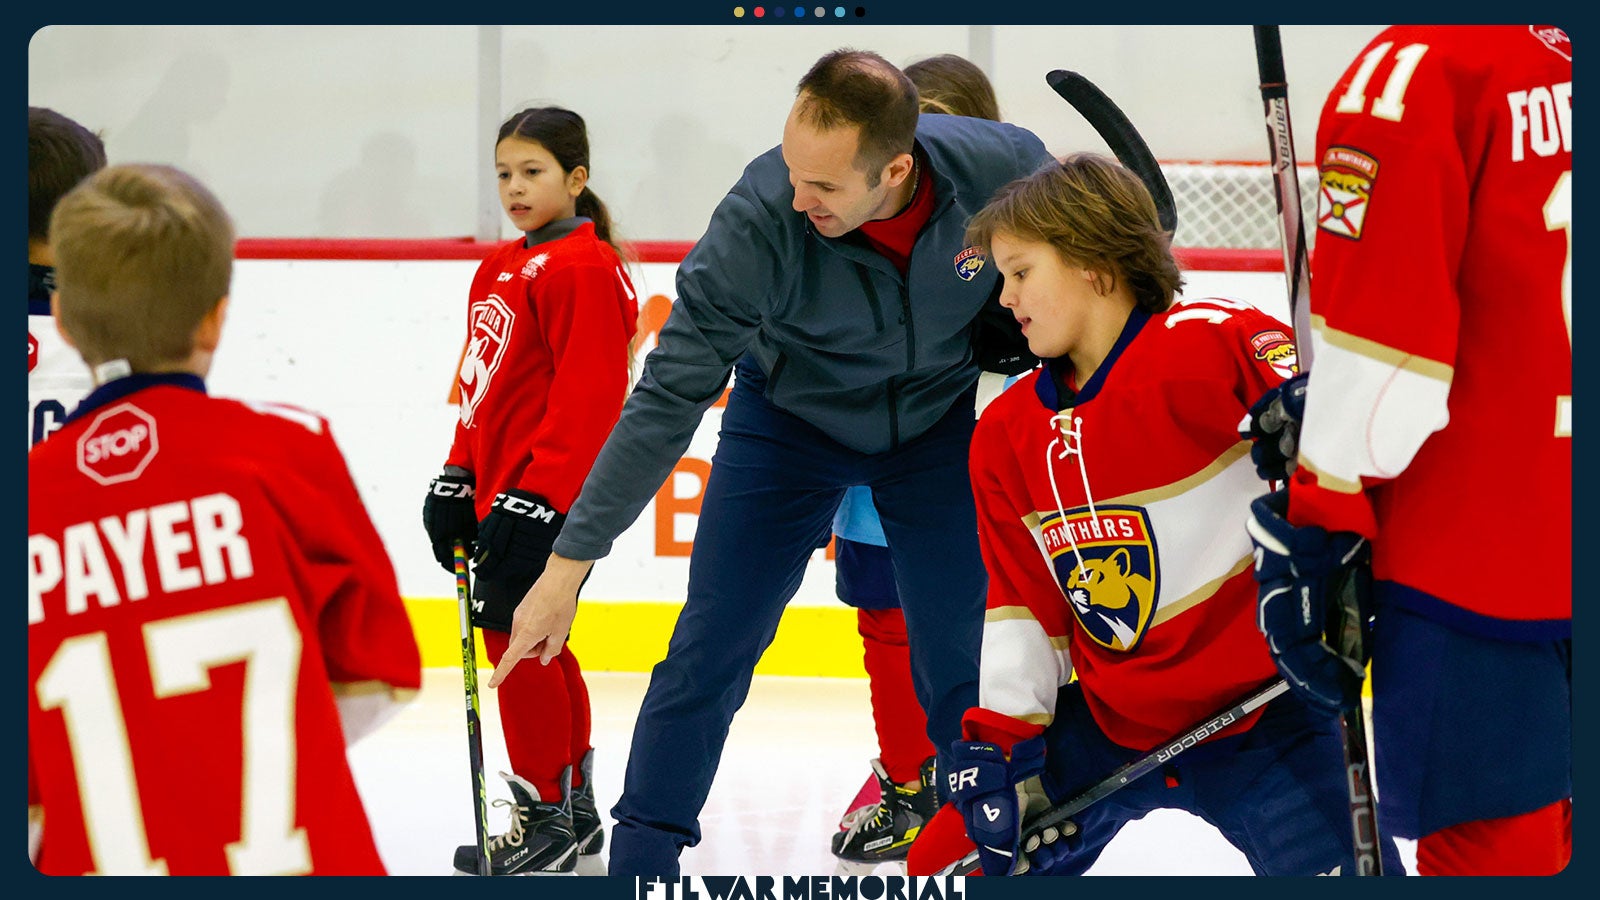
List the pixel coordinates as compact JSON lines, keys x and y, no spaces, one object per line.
{"x":835,"y":278}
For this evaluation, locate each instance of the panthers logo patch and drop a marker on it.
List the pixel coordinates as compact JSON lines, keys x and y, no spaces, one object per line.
{"x":1110,"y":580}
{"x":969,"y":263}
{"x":1277,"y":350}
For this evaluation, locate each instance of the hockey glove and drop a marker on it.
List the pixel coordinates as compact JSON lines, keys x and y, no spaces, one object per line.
{"x":1052,"y":848}
{"x":983,"y":786}
{"x":1274,"y":430}
{"x":1313,"y":603}
{"x":515,"y":538}
{"x":448,"y":514}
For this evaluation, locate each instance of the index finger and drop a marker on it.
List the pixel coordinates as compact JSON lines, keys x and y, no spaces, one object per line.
{"x":515,"y":651}
{"x":507,"y":662}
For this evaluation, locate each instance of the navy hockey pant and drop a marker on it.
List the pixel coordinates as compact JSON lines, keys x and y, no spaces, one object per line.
{"x":1276,"y":792}
{"x":769,"y":503}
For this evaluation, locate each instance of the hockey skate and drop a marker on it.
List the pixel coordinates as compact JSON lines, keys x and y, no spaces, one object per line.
{"x":885,"y":833}
{"x":540,"y":840}
{"x":586,"y":822}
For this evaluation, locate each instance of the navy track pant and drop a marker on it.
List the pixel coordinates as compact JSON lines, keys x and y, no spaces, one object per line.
{"x":775,"y":483}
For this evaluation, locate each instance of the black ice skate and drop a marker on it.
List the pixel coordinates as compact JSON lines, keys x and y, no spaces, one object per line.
{"x":540,"y":841}
{"x":586,"y":823}
{"x":887,"y":833}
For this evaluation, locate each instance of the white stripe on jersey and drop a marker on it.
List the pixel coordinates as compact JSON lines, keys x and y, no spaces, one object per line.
{"x":1401,"y":398}
{"x":1018,"y":662}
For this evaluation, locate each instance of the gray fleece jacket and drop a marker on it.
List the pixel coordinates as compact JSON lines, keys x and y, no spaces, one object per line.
{"x":869,"y":357}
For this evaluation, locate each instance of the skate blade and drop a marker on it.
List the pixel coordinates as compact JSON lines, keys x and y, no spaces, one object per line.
{"x":845,"y":868}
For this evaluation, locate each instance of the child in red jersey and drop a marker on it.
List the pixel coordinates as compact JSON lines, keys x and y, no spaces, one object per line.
{"x":211,"y":614}
{"x":550,"y":319}
{"x":1112,"y":489}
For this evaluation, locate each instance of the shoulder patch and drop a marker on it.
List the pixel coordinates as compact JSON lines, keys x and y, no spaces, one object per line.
{"x":1276,"y":349}
{"x":1347,"y":179}
{"x":535,"y":265}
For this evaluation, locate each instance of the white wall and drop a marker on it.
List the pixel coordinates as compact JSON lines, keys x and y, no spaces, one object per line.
{"x":374,"y":130}
{"x":374,"y":346}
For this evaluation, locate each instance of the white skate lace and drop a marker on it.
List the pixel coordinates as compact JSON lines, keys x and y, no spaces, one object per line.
{"x":864,"y":820}
{"x":881,"y":815}
{"x":512,"y":837}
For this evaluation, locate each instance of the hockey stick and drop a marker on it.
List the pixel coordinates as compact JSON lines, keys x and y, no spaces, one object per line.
{"x":1119,"y":134}
{"x":1346,"y":633}
{"x":1057,"y":816}
{"x":469,"y":674}
{"x":1286,"y":186}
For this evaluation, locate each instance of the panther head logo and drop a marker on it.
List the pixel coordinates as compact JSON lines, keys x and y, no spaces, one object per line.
{"x":1105,"y":589}
{"x":1107,"y":571}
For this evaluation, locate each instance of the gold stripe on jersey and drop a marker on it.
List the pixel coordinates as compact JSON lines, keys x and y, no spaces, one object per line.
{"x":1184,"y":485}
{"x":1022,"y":614}
{"x":362,"y":688}
{"x":1003,"y":613}
{"x":1329,"y":481}
{"x":1400,"y":399}
{"x":1382,"y":353}
{"x":1019,"y":660}
{"x":1199,"y":531}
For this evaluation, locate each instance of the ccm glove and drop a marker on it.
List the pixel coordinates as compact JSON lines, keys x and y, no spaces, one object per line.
{"x":515,"y":538}
{"x":1274,"y":430}
{"x":1313,"y":603}
{"x":448,"y":514}
{"x":983,"y":786}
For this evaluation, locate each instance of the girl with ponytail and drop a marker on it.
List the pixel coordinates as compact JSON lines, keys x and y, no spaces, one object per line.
{"x":550,"y":319}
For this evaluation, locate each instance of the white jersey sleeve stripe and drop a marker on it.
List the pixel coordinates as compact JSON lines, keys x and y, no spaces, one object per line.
{"x":1022,"y":669}
{"x":1395,"y":399}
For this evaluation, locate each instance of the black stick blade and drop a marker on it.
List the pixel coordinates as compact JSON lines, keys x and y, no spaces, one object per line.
{"x":1120,"y":135}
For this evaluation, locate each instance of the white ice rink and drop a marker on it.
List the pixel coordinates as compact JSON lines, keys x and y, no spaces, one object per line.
{"x":796,"y":754}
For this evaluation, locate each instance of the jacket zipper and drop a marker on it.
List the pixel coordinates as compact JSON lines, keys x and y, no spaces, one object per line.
{"x":872,"y":296}
{"x":894,"y":415}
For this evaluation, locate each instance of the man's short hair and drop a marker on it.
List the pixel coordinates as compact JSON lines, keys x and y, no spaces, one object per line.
{"x":61,"y":153}
{"x":143,"y":254}
{"x":861,"y":89}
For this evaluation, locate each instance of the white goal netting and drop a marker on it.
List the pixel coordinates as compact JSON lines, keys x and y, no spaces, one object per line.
{"x":1229,"y":205}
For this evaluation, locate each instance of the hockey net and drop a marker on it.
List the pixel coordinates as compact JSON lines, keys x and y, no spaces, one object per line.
{"x":1230,"y":205}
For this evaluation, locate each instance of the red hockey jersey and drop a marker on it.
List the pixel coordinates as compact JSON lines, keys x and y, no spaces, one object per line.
{"x":200,"y":573}
{"x":546,"y":367}
{"x":1114,"y":532}
{"x":1440,"y":395}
